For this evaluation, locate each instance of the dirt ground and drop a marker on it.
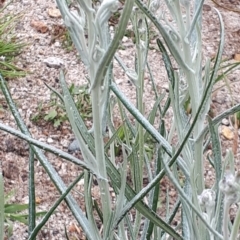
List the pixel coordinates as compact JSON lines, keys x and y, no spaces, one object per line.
{"x":41,"y":28}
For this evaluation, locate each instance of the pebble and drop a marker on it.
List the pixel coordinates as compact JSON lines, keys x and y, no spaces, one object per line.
{"x":25,"y":2}
{"x":41,"y":140}
{"x":64,"y":143}
{"x":125,"y":39}
{"x":225,"y":122}
{"x":57,"y":44}
{"x":49,"y":140}
{"x":74,"y":146}
{"x":81,"y":182}
{"x":54,"y":62}
{"x":166,"y":87}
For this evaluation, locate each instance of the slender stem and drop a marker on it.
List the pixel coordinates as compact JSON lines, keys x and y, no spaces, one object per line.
{"x":100,"y":157}
{"x":236,"y":225}
{"x":88,"y":199}
{"x":225,"y":220}
{"x":32,"y":204}
{"x":141,"y":53}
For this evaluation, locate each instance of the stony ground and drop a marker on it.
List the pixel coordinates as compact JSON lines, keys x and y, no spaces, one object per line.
{"x":42,"y":28}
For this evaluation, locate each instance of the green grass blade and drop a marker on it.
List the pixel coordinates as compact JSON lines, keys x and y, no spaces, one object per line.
{"x":14,"y":208}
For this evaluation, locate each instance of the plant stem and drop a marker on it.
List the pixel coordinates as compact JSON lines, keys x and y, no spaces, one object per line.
{"x":100,"y":157}
{"x":225,"y":219}
{"x":32,"y":203}
{"x":141,"y":57}
{"x":236,"y":225}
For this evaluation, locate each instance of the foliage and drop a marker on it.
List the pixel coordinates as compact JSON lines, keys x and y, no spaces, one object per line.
{"x":14,"y":212}
{"x":56,"y":112}
{"x":9,"y":46}
{"x":134,"y":213}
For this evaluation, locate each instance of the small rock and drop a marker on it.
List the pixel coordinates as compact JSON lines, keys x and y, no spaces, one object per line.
{"x":49,"y":140}
{"x":39,"y":26}
{"x":25,"y":2}
{"x":227,"y":133}
{"x":166,"y":87}
{"x":237,"y":57}
{"x":53,"y":62}
{"x":54,"y":13}
{"x":57,"y":44}
{"x":124,"y":39}
{"x":81,"y":182}
{"x":206,"y":7}
{"x":74,"y":146}
{"x":41,"y":140}
{"x":64,"y":143}
{"x":225,"y":122}
{"x":123,"y":53}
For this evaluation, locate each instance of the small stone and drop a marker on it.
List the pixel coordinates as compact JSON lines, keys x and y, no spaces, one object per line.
{"x":25,"y":2}
{"x":125,"y":39}
{"x":41,"y":140}
{"x":49,"y":140}
{"x":57,"y":44}
{"x":39,"y":26}
{"x":74,"y":146}
{"x":166,"y":87}
{"x":54,"y":62}
{"x":237,"y":57}
{"x":227,"y":133}
{"x":54,"y":12}
{"x":81,"y":182}
{"x":206,"y":7}
{"x":225,"y":122}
